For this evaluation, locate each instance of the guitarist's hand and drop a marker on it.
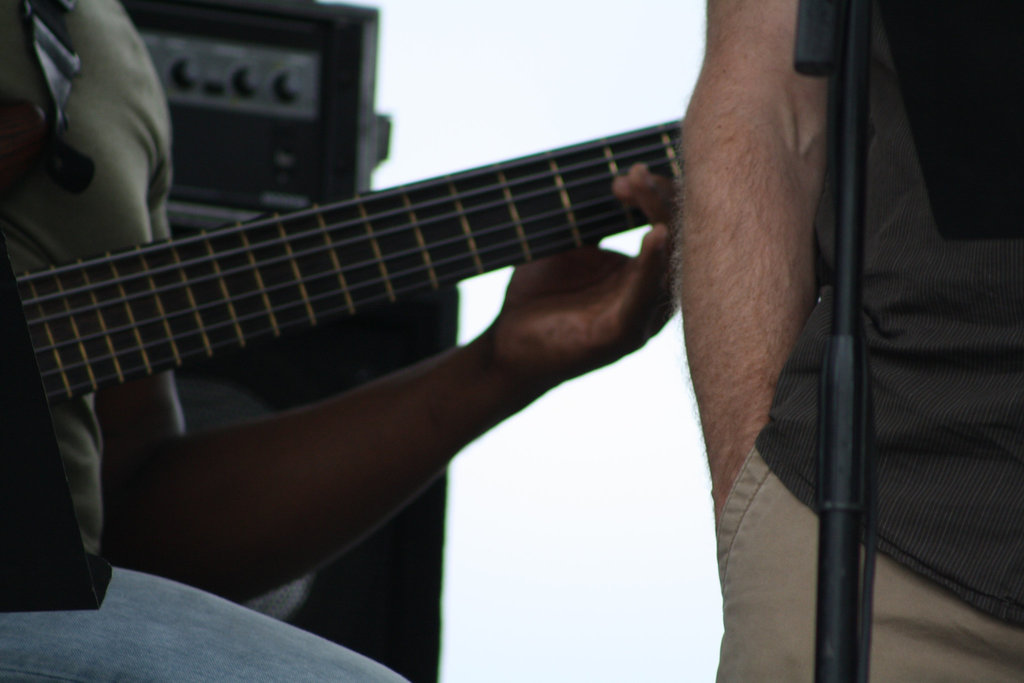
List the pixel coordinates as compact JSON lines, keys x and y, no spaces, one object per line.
{"x":571,"y":313}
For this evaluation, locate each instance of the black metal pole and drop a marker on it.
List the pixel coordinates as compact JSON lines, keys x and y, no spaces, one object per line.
{"x":844,"y":422}
{"x":844,"y":404}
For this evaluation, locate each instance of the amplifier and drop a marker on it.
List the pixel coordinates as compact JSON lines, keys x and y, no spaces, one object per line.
{"x":272,"y":108}
{"x":272,"y":103}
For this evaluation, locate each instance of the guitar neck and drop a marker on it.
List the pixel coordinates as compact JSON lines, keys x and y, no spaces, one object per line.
{"x":136,"y":312}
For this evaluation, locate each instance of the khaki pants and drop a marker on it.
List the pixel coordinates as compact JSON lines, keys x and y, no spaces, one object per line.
{"x":767,"y":558}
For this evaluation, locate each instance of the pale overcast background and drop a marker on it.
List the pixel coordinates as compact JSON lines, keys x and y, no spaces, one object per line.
{"x":580,"y":538}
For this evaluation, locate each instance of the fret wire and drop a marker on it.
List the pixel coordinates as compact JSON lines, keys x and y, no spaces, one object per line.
{"x":543,"y":233}
{"x":560,"y":182}
{"x":197,"y":314}
{"x":595,"y":164}
{"x":103,"y":328}
{"x":613,"y":166}
{"x":514,"y":212}
{"x":131,"y":318}
{"x":260,"y":286}
{"x":53,"y":345}
{"x":263,"y":290}
{"x":142,"y":249}
{"x":298,"y":274}
{"x":422,"y":242}
{"x":224,"y":291}
{"x":333,"y":253}
{"x":376,"y":251}
{"x":642,"y":135}
{"x":35,"y":292}
{"x":160,"y":309}
{"x":77,"y":335}
{"x":467,"y":231}
{"x":673,"y":158}
{"x":177,"y":351}
{"x":647,"y":148}
{"x":635,"y":135}
{"x":376,"y":297}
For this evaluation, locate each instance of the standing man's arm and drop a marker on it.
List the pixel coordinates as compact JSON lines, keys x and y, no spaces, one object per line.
{"x":754,"y":154}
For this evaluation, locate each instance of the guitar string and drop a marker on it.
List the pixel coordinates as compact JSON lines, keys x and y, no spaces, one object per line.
{"x":131,"y":371}
{"x":511,"y":246}
{"x":493,"y":248}
{"x":651,"y":139}
{"x":307,"y":279}
{"x":268,"y":263}
{"x":199,"y":240}
{"x":85,"y":362}
{"x":190,"y":311}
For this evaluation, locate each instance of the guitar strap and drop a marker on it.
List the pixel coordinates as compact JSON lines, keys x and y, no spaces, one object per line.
{"x":51,"y":42}
{"x":43,"y":564}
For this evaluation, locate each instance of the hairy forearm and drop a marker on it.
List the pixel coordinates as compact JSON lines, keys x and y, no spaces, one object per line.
{"x":746,"y":279}
{"x":242,"y":509}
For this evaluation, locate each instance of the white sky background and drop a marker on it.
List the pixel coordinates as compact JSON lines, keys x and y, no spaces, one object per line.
{"x":580,"y":538}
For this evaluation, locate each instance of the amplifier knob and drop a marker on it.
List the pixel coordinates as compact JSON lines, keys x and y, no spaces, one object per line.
{"x":287,"y":87}
{"x":185,"y":73}
{"x":245,"y":81}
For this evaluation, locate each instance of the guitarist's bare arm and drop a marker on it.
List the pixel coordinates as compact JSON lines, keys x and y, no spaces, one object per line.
{"x":242,"y":509}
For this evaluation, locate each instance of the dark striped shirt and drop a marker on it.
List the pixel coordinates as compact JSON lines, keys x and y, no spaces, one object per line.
{"x":945,"y":330}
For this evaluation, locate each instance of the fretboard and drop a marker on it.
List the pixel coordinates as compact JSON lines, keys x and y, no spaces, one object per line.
{"x":132,"y":313}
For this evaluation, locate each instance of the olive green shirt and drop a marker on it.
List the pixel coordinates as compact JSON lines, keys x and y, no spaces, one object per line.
{"x":122,"y":123}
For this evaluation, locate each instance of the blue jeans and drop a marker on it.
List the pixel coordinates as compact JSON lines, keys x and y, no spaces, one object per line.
{"x":152,"y":629}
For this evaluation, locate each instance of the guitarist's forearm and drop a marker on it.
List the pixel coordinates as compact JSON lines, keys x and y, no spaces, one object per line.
{"x":269,"y":500}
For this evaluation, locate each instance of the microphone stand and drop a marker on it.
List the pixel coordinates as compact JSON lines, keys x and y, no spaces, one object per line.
{"x":833,"y":39}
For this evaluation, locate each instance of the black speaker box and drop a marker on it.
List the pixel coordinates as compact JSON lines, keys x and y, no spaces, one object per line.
{"x":272,"y":108}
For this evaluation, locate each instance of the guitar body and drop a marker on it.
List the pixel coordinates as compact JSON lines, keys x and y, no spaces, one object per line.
{"x":23,"y":135}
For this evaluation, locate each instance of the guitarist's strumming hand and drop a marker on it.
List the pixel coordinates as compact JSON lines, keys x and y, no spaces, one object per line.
{"x":567,"y":314}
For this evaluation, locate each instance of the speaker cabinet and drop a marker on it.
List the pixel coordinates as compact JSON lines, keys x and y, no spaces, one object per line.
{"x":272,"y":108}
